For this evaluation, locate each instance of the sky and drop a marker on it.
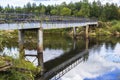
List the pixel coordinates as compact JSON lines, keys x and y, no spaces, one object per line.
{"x":99,"y":63}
{"x":21,"y":3}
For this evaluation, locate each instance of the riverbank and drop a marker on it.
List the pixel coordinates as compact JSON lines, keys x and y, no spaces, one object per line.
{"x":111,"y":28}
{"x":16,"y":69}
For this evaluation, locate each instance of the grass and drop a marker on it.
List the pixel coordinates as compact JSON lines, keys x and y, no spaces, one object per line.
{"x":116,"y":26}
{"x":21,"y":69}
{"x":16,"y":75}
{"x":21,"y":63}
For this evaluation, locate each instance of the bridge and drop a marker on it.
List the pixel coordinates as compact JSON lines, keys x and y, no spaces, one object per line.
{"x":44,"y":22}
{"x":25,"y":22}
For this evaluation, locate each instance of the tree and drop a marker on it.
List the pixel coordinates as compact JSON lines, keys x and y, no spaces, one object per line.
{"x":85,"y":9}
{"x":7,"y":8}
{"x":95,"y":9}
{"x":18,"y":10}
{"x":48,"y":9}
{"x":28,"y":7}
{"x":119,"y":13}
{"x":82,"y":8}
{"x":42,"y":10}
{"x":65,"y":11}
{"x":33,"y":7}
{"x":53,"y":11}
{"x":1,"y":8}
{"x":72,"y":7}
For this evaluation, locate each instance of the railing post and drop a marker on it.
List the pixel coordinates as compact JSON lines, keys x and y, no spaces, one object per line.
{"x":21,"y":43}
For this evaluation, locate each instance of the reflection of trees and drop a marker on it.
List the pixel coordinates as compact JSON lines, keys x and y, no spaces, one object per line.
{"x":51,"y":41}
{"x":57,"y":42}
{"x":9,"y":42}
{"x":108,"y":40}
{"x":80,"y":46}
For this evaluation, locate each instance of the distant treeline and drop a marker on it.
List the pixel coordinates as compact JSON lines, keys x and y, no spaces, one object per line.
{"x":80,"y":9}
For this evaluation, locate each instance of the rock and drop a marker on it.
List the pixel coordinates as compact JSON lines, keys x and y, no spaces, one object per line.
{"x":117,"y":33}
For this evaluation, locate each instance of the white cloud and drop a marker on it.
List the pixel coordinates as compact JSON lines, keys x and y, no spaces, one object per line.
{"x":14,"y":2}
{"x":47,"y":2}
{"x":96,"y":65}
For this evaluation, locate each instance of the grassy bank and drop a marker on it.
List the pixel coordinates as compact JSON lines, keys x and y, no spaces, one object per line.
{"x":111,"y":28}
{"x":14,"y":68}
{"x":19,"y":69}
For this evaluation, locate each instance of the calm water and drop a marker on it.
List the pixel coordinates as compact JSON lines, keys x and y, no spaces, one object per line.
{"x":101,"y":61}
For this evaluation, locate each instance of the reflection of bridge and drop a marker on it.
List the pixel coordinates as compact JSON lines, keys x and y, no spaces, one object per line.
{"x":58,"y":71}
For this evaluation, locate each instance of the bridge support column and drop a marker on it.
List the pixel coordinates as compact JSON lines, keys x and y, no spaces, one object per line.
{"x":87,"y":31}
{"x":87,"y":44}
{"x":74,"y":44}
{"x":40,"y":49}
{"x":74,"y":32}
{"x":21,"y":43}
{"x":40,"y":62}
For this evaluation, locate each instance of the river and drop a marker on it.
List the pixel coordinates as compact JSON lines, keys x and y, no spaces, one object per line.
{"x":91,"y":59}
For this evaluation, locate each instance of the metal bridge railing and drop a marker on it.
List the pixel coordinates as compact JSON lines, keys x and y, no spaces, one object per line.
{"x":15,"y":17}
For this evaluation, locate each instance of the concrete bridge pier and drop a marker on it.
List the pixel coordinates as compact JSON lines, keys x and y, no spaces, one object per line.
{"x":40,"y":48}
{"x":87,"y":31}
{"x":21,"y":43}
{"x":74,"y":44}
{"x":40,"y":62}
{"x":74,"y":32}
{"x":87,"y":44}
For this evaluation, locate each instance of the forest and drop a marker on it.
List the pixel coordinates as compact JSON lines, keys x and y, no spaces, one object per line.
{"x":79,"y":9}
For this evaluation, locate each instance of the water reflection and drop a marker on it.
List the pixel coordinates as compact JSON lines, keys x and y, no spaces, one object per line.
{"x":99,"y":65}
{"x":67,"y":59}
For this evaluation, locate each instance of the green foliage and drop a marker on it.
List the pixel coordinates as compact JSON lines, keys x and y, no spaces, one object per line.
{"x":85,"y":9}
{"x":54,"y":11}
{"x":114,"y":22}
{"x":42,"y":11}
{"x":21,"y":69}
{"x":2,"y":61}
{"x":81,"y":8}
{"x":103,"y":32}
{"x":116,"y":27}
{"x":21,"y":63}
{"x":16,"y":75}
{"x":65,"y":11}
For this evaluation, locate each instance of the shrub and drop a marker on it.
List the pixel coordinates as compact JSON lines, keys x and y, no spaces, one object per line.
{"x":116,"y":27}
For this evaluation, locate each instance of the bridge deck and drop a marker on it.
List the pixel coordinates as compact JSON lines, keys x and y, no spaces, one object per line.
{"x":44,"y":25}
